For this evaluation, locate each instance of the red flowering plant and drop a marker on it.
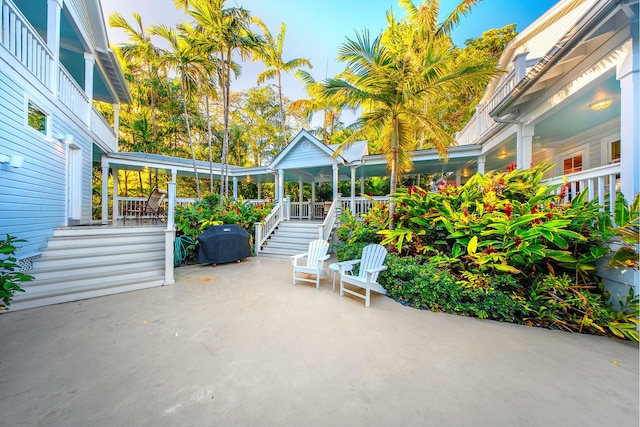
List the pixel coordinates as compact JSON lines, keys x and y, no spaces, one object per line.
{"x":500,"y":222}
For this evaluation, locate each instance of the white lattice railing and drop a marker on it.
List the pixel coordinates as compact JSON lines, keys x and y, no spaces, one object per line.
{"x":601,"y":183}
{"x":300,"y":210}
{"x":25,"y":44}
{"x":270,"y":222}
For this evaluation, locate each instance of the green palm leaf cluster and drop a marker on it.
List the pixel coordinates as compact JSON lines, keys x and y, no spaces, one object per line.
{"x":392,"y":77}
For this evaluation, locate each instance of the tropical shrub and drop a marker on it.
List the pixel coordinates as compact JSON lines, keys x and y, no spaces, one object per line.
{"x":502,"y":246}
{"x":192,"y":220}
{"x":10,"y":275}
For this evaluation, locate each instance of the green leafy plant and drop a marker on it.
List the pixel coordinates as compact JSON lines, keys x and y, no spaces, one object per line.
{"x":627,"y":227}
{"x":10,"y":275}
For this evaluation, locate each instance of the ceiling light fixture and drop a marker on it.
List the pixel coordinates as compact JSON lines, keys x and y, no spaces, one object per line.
{"x":601,"y":104}
{"x":502,"y":156}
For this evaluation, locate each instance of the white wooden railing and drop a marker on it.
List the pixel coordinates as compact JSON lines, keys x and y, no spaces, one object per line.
{"x":71,"y":95}
{"x":270,"y":222}
{"x":103,"y":130}
{"x":25,"y":44}
{"x":601,"y":183}
{"x":330,"y":220}
{"x":481,"y":122}
{"x":361,"y":205}
{"x":300,"y":210}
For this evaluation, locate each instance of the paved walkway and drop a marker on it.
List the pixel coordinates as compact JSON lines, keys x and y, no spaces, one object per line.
{"x":239,"y":345}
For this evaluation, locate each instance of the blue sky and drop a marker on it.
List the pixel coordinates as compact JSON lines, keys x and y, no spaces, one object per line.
{"x":316,"y":28}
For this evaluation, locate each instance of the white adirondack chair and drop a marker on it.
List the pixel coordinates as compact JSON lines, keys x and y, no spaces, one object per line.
{"x":316,"y":256}
{"x":371,"y":264}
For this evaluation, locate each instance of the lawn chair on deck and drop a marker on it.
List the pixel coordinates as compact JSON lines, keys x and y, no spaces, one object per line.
{"x":152,"y":207}
{"x":370,"y":265}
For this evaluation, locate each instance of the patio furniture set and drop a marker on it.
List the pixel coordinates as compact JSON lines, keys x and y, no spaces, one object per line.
{"x":359,"y":274}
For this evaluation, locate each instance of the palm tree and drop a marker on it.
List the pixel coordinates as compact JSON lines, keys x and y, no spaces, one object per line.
{"x":224,"y":32}
{"x":331,"y":106}
{"x":271,"y":55}
{"x":190,"y":68}
{"x":391,"y":76}
{"x":140,"y":51}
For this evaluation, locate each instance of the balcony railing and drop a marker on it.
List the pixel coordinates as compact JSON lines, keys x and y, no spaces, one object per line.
{"x":24,"y":43}
{"x":601,"y":183}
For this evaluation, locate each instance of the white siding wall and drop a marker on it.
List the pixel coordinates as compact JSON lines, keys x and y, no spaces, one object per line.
{"x":33,"y":198}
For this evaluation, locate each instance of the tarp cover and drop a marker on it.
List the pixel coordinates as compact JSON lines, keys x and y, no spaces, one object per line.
{"x":223,"y":243}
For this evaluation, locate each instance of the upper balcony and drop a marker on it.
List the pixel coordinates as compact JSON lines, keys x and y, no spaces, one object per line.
{"x":481,"y":122}
{"x":60,"y":63}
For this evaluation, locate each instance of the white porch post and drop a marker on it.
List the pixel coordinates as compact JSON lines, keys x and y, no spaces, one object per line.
{"x":526,"y":145}
{"x":313,"y":191}
{"x":482,"y":161}
{"x":628,"y":74}
{"x":281,"y":184}
{"x":105,"y":190}
{"x":300,"y":194}
{"x":335,"y":181}
{"x":115,"y":197}
{"x":276,"y":184}
{"x":235,"y":188}
{"x":170,"y":232}
{"x":458,"y":177}
{"x":352,"y":201}
{"x":89,"y":62}
{"x":54,"y":7}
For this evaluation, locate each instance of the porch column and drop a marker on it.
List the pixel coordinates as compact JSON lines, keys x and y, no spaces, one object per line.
{"x":170,"y":232}
{"x":259,"y":185}
{"x":628,"y":73}
{"x":115,"y":197}
{"x":171,"y":205}
{"x":89,"y":62}
{"x":105,"y":190}
{"x":235,"y":188}
{"x":313,"y":191}
{"x":54,"y":7}
{"x":276,"y":182}
{"x":482,"y":160}
{"x":281,"y":184}
{"x":362,"y":185}
{"x":458,"y":177}
{"x":352,"y":201}
{"x":300,"y":194}
{"x":335,"y":181}
{"x":526,"y":145}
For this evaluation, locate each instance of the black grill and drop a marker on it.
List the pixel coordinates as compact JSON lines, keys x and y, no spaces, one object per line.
{"x":223,"y":243}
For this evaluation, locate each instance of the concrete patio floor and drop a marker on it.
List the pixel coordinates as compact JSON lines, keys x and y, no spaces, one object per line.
{"x":239,"y":345}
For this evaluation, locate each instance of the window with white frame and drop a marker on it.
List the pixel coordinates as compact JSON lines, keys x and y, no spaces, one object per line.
{"x":614,"y":151}
{"x":572,"y":164}
{"x":37,"y":119}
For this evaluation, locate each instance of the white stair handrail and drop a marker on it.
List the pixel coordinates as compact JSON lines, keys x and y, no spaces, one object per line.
{"x":325,"y":229}
{"x":268,"y":224}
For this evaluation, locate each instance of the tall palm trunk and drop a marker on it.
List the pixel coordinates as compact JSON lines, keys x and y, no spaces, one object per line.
{"x":209,"y":138}
{"x":282,"y":116}
{"x":224,"y":191}
{"x":186,"y":119}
